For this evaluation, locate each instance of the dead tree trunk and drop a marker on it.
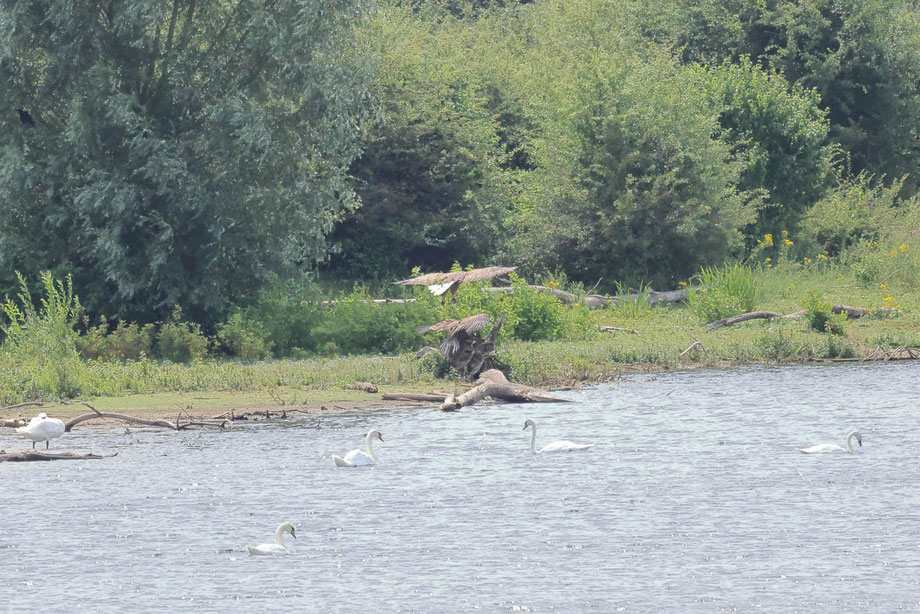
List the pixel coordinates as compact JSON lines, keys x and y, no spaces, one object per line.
{"x":852,"y":312}
{"x":492,"y":383}
{"x":476,"y":355}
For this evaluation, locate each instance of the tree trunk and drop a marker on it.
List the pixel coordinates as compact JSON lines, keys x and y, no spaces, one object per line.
{"x":492,"y":383}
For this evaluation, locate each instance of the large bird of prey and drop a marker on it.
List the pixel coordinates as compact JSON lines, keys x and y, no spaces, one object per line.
{"x":460,"y":330}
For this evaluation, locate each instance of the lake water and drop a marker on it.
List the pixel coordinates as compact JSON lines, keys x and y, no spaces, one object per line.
{"x":694,"y":500}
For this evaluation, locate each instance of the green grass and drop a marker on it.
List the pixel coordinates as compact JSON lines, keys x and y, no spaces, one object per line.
{"x":664,"y":332}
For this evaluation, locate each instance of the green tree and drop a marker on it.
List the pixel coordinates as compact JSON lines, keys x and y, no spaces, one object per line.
{"x":862,"y":57}
{"x":181,"y":150}
{"x":779,"y":134}
{"x":429,"y":177}
{"x":630,"y":184}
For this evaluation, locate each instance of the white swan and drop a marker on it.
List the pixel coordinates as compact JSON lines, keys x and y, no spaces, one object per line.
{"x":357,"y":457}
{"x":42,"y":428}
{"x":556,"y":446}
{"x":277,"y":547}
{"x":833,"y":447}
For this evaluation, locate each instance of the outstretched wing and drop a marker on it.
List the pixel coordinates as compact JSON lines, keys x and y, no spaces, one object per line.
{"x":460,"y":331}
{"x":442,"y":325}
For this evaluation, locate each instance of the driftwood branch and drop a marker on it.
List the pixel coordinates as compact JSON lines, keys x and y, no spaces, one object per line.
{"x":178,"y":425}
{"x":899,"y":353}
{"x":852,"y":312}
{"x":598,"y":301}
{"x":744,"y":317}
{"x":31,"y":455}
{"x":21,"y":405}
{"x":412,"y":396}
{"x":696,"y":345}
{"x":492,"y":383}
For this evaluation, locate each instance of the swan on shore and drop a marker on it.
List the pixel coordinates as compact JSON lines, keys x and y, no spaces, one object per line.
{"x":278,"y":546}
{"x":556,"y":446}
{"x":42,"y":428}
{"x":833,"y":447}
{"x":357,"y":457}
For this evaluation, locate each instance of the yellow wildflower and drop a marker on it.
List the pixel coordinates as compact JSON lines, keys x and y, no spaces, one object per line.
{"x":822,"y":257}
{"x":788,"y":242}
{"x":902,"y":247}
{"x":807,"y":260}
{"x":767,"y":240}
{"x":768,"y":259}
{"x":893,"y":253}
{"x":553,"y":284}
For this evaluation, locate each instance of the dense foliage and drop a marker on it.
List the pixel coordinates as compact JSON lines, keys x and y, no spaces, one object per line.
{"x":178,"y":152}
{"x":193,"y":163}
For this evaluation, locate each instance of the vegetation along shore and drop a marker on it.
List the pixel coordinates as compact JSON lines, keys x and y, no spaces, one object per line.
{"x":194,"y":221}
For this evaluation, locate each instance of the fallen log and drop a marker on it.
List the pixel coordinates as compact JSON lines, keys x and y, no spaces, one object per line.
{"x":30,"y":455}
{"x":852,"y":312}
{"x":599,"y":301}
{"x":492,"y":383}
{"x":412,"y":396}
{"x":178,"y":425}
{"x":20,"y":405}
{"x":744,"y":317}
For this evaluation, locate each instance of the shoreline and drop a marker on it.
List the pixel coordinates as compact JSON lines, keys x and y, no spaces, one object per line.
{"x":213,"y":405}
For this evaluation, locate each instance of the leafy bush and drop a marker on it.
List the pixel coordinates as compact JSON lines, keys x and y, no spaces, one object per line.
{"x":780,"y":134}
{"x":40,"y":342}
{"x":180,"y":341}
{"x":128,"y":341}
{"x":429,"y":176}
{"x":722,"y":292}
{"x":821,"y":317}
{"x":355,"y":324}
{"x":780,"y":344}
{"x":853,"y":211}
{"x":538,"y":315}
{"x":244,"y":338}
{"x":629,"y":180}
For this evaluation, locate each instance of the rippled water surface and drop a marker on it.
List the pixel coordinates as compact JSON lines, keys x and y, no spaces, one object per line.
{"x":694,"y":499}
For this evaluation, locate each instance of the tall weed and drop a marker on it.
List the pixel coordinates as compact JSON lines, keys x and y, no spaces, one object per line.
{"x":722,"y":292}
{"x":41,"y":341}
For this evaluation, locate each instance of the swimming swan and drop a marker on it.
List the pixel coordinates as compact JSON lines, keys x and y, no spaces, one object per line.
{"x":357,"y":457}
{"x":278,"y":546}
{"x":833,"y":447}
{"x":42,"y":428}
{"x":556,"y":446}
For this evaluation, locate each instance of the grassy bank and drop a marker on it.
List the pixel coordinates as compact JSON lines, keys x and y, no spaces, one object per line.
{"x":664,"y":332}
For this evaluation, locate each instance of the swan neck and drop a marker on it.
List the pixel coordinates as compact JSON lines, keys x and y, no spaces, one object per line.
{"x":850,"y":443}
{"x":370,"y":449}
{"x":278,"y":533}
{"x":533,"y":438}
